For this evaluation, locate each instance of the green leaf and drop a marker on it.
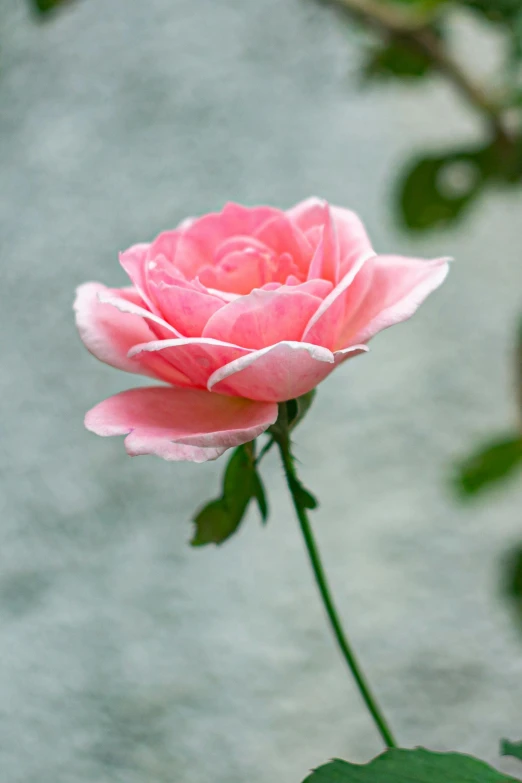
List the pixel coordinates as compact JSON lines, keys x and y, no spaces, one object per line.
{"x":411,"y":766}
{"x":220,"y":518}
{"x":297,"y":409}
{"x":214,"y":523}
{"x":44,"y":6}
{"x":435,"y":191}
{"x":423,"y":4}
{"x":303,"y":496}
{"x":260,"y":496}
{"x":501,"y":11}
{"x":238,"y":482}
{"x":511,"y":587}
{"x":512,"y":580}
{"x":508,"y":748}
{"x":302,"y":406}
{"x":397,"y":59}
{"x":307,"y":499}
{"x":490,"y":464}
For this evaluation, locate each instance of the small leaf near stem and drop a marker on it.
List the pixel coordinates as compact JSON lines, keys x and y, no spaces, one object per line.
{"x":220,"y":518}
{"x":508,"y":748}
{"x":258,"y":492}
{"x":281,"y":435}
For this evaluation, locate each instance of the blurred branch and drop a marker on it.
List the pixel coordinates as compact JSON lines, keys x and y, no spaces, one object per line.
{"x":413,"y":28}
{"x":392,"y":20}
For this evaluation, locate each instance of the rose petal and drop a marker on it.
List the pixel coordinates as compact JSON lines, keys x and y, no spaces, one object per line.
{"x":239,"y":244}
{"x":185,"y":307}
{"x":388,"y":290}
{"x":353,"y":239}
{"x":263,"y":318}
{"x":166,"y":245}
{"x":320,"y":288}
{"x":308,"y":213}
{"x":246,"y":265}
{"x":200,"y":240}
{"x":237,"y":273}
{"x":134,"y":262}
{"x":282,"y":236}
{"x":326,"y":260}
{"x":326,"y":323}
{"x":277,"y":373}
{"x":159,"y":326}
{"x":109,"y":334}
{"x":196,"y":357}
{"x":180,"y":424}
{"x":354,"y":243}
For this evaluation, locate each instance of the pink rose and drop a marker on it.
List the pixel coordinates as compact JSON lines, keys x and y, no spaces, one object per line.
{"x":237,"y":311}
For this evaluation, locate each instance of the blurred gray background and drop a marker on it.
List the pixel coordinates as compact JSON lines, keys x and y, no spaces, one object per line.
{"x":125,"y":655}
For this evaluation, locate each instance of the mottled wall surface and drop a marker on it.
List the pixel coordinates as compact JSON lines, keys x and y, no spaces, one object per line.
{"x":125,"y":655}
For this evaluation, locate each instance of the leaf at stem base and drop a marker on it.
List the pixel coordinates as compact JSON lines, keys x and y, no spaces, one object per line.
{"x":414,"y":766}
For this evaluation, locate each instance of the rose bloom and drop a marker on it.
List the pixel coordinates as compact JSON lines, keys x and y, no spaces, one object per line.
{"x":235,"y":312}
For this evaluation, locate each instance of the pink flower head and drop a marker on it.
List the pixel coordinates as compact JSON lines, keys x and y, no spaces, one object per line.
{"x":237,"y":311}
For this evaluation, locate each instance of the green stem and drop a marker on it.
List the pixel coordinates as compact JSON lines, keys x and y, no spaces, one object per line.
{"x":294,"y":486}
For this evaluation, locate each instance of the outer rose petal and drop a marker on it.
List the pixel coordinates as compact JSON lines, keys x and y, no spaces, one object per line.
{"x":278,"y":373}
{"x":197,"y":357}
{"x":158,"y":325}
{"x":110,"y":334}
{"x":180,"y":424}
{"x":263,"y":318}
{"x":388,"y":290}
{"x":134,"y":262}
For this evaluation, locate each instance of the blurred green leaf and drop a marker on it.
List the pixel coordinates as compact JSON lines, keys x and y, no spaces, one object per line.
{"x":422,"y":8}
{"x":503,"y":11}
{"x":414,"y":766}
{"x":507,"y":13}
{"x":44,"y":6}
{"x":435,"y":191}
{"x":512,"y":592}
{"x":489,"y":465}
{"x":508,"y":748}
{"x":397,"y":59}
{"x":515,"y":29}
{"x":220,"y":518}
{"x":420,"y":3}
{"x":513,"y":576}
